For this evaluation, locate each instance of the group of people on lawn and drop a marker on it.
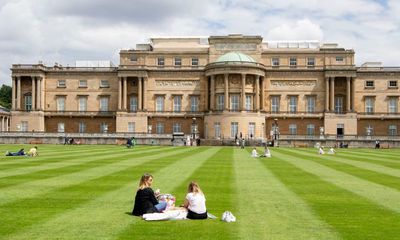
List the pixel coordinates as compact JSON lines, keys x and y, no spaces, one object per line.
{"x":31,"y":153}
{"x":146,"y":200}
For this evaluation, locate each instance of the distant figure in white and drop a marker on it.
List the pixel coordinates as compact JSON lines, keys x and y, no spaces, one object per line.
{"x":321,"y":150}
{"x":267,"y":153}
{"x":254,"y":153}
{"x":331,"y":151}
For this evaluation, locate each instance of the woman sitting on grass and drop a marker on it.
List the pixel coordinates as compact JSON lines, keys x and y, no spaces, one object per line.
{"x":145,"y":200}
{"x":195,"y":202}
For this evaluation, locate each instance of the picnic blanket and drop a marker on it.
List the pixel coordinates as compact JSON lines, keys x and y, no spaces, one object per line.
{"x":175,"y":214}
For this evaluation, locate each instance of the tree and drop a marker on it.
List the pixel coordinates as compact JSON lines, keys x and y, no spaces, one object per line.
{"x":5,"y":96}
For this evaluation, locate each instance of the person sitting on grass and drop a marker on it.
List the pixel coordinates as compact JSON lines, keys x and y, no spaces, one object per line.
{"x":33,"y":152}
{"x":254,"y":153}
{"x":321,"y":150}
{"x":331,"y":151}
{"x":195,"y":202}
{"x":267,"y":153}
{"x":21,"y":152}
{"x":145,"y":199}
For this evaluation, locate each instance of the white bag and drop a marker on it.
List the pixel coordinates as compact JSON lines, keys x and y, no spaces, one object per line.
{"x":228,"y":217}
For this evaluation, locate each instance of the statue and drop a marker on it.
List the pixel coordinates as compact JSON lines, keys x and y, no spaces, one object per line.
{"x":321,"y":132}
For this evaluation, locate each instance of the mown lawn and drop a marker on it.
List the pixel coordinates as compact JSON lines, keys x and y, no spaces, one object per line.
{"x":86,"y":192}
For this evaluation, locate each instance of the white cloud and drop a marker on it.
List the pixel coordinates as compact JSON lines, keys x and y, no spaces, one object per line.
{"x":65,"y":31}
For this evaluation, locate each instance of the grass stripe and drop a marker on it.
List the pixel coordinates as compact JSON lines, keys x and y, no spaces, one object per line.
{"x":351,"y":215}
{"x":211,"y":173}
{"x":381,"y":195}
{"x":278,"y":212}
{"x":18,"y":215}
{"x":121,"y":198}
{"x":30,"y":189}
{"x":68,"y":167}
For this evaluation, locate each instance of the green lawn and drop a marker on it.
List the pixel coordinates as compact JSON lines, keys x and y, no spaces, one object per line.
{"x":86,"y":192}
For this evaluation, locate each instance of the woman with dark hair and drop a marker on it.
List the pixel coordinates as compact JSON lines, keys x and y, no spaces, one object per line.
{"x":145,"y":200}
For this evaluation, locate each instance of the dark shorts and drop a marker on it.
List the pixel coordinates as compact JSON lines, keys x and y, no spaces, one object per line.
{"x":193,"y":215}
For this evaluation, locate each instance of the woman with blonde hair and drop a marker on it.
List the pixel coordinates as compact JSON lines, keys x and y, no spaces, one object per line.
{"x":145,"y":200}
{"x":195,"y":202}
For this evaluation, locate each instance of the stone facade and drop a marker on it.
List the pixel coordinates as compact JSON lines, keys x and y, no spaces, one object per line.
{"x":218,"y":87}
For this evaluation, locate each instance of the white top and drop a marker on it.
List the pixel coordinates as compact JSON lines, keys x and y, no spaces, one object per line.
{"x":267,"y":153}
{"x":197,"y":202}
{"x":254,"y":153}
{"x":321,"y":151}
{"x":331,"y":151}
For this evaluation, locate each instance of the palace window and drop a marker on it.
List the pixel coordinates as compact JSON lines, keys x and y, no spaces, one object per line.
{"x":28,"y":102}
{"x":61,"y":84}
{"x":133,"y":103}
{"x":369,"y":84}
{"x":292,"y":129}
{"x":310,"y":104}
{"x":369,"y":104}
{"x":82,"y":103}
{"x":159,"y":103}
{"x":82,"y":83}
{"x":292,"y":104}
{"x":339,"y":104}
{"x":177,"y":103}
{"x":103,"y":127}
{"x":339,"y":59}
{"x":104,"y":104}
{"x":393,"y":104}
{"x":133,"y":58}
{"x":275,"y":62}
{"x":235,"y":102}
{"x":160,"y":128}
{"x":293,"y":62}
{"x":248,"y":102}
{"x":252,"y":129}
{"x":195,"y":62}
{"x":310,"y":129}
{"x":104,"y":84}
{"x":194,"y":103}
{"x":275,"y":102}
{"x":61,"y":103}
{"x":234,"y":129}
{"x":24,"y":126}
{"x":61,"y":127}
{"x":217,"y":130}
{"x":393,"y":84}
{"x":178,"y":61}
{"x":177,"y":127}
{"x":131,"y":127}
{"x":220,"y":102}
{"x":82,"y":127}
{"x":310,"y":62}
{"x":160,"y":61}
{"x":392,"y":130}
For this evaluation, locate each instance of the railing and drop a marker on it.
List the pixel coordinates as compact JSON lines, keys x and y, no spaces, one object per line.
{"x":62,"y":68}
{"x":332,"y":137}
{"x":80,"y":113}
{"x":175,"y":113}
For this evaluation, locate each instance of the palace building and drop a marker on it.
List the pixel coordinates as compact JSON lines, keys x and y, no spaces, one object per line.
{"x":218,"y":87}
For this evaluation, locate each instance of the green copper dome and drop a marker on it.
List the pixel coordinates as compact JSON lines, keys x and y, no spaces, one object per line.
{"x":235,"y":57}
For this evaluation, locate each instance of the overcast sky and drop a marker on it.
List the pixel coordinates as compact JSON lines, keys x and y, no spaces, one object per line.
{"x":67,"y":30}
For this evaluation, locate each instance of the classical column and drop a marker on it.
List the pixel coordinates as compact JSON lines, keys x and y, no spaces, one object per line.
{"x":332,"y":94}
{"x":145,"y":79}
{"x":206,"y":95}
{"x":212,"y":92}
{"x":19,"y":93}
{"x":14,"y":86}
{"x":262,"y":93}
{"x":140,"y":90}
{"x":33,"y":93}
{"x":353,"y":94}
{"x":257,"y":100}
{"x":348,"y":94}
{"x":2,"y":123}
{"x":226,"y":83}
{"x":119,"y":93}
{"x":125,"y":92}
{"x":243,"y":92}
{"x":42,"y":96}
{"x":38,"y":93}
{"x":326,"y":94}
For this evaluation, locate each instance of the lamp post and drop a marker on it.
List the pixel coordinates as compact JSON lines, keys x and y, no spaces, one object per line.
{"x":276,"y":133}
{"x":194,"y":131}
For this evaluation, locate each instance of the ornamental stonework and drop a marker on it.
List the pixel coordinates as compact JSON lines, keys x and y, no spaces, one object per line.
{"x":300,"y":83}
{"x":177,"y":83}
